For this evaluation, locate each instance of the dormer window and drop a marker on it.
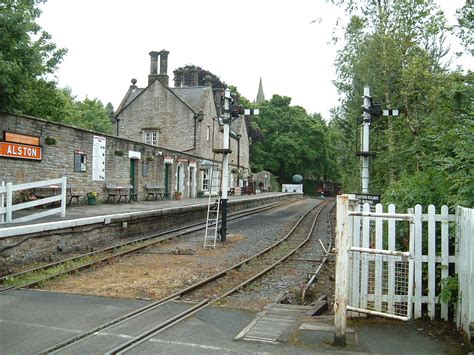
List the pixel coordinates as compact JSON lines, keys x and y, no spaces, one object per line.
{"x":151,"y":137}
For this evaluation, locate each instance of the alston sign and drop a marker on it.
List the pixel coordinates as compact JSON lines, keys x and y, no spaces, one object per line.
{"x":20,"y":151}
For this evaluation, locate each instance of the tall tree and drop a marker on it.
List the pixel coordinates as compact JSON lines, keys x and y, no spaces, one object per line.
{"x":288,"y":141}
{"x":27,"y":58}
{"x":396,"y":47}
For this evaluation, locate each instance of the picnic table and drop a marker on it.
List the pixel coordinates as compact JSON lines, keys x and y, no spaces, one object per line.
{"x":124,"y":191}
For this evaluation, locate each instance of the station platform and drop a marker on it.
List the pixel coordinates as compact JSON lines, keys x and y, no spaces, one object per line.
{"x":104,"y":212}
{"x":94,"y":227}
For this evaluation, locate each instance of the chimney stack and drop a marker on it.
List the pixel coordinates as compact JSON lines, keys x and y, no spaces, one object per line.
{"x":153,"y":67}
{"x":195,"y":77}
{"x":163,"y":77}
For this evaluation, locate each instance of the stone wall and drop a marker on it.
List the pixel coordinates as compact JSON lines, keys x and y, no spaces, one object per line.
{"x":58,"y":159}
{"x":57,"y":243}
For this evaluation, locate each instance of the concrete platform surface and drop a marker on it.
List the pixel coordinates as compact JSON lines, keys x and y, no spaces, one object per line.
{"x":31,"y":321}
{"x":84,"y":214}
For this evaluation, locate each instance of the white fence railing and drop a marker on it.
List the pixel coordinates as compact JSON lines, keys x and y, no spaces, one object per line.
{"x":465,"y":268}
{"x":442,"y":245}
{"x":7,"y":207}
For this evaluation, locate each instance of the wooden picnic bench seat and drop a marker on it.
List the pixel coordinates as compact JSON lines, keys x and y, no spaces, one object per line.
{"x":124,"y":191}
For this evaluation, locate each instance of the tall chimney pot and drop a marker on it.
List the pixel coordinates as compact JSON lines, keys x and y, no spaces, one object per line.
{"x":153,"y":67}
{"x":163,"y":77}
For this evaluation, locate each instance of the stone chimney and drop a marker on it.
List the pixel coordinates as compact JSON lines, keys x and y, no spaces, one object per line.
{"x":163,"y":77}
{"x":153,"y":67}
{"x":195,"y":77}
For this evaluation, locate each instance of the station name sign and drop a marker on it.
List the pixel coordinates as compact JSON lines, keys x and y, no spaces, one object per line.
{"x":366,"y":198}
{"x":21,"y":146}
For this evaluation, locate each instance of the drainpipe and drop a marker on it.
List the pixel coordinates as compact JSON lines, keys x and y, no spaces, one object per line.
{"x":238,"y":151}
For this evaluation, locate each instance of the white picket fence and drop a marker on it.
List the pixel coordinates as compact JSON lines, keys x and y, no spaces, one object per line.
{"x":7,"y":207}
{"x":439,"y":244}
{"x":465,"y":267}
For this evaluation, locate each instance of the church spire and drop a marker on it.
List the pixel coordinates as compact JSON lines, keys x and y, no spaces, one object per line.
{"x":260,"y":95}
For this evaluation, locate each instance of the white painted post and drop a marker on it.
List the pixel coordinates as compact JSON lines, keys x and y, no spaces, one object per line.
{"x":391,"y":263}
{"x":444,"y":253}
{"x":355,"y":262}
{"x":2,"y":203}
{"x":431,"y":260}
{"x":418,"y":263}
{"x":378,"y":261}
{"x":411,"y":266}
{"x":9,"y":202}
{"x":341,"y":293}
{"x":63,"y":196}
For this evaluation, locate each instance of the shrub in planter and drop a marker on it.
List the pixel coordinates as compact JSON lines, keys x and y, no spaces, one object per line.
{"x":92,"y":198}
{"x":200,"y":194}
{"x":177,"y":195}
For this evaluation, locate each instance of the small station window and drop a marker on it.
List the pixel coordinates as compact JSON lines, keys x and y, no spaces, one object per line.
{"x":151,"y":137}
{"x":80,"y":161}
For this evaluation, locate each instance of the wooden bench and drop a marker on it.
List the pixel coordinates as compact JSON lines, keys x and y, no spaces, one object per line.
{"x":124,"y":191}
{"x":155,"y":190}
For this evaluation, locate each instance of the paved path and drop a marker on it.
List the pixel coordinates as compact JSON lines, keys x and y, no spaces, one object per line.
{"x":31,"y":321}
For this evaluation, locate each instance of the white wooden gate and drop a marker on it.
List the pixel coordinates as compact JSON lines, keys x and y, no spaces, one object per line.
{"x":381,"y":275}
{"x":394,"y":264}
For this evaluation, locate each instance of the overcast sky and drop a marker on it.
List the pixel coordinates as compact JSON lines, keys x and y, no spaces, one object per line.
{"x":284,"y":42}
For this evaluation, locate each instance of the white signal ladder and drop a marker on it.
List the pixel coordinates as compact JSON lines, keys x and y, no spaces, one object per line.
{"x":213,"y":209}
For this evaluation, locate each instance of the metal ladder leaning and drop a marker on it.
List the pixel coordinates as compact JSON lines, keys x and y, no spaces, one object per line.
{"x":213,"y":209}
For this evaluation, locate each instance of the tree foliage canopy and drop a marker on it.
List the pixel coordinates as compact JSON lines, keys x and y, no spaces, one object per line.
{"x":397,"y":48}
{"x":184,"y":76}
{"x":287,"y":141}
{"x":28,"y":60}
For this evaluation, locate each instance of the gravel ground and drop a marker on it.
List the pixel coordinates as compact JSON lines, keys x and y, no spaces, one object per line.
{"x":287,"y":280}
{"x":175,"y":264}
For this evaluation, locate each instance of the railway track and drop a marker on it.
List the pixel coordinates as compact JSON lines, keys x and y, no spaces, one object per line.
{"x":219,"y":286}
{"x":35,"y":276}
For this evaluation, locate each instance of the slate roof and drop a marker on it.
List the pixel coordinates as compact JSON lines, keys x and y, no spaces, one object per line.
{"x":193,"y":96}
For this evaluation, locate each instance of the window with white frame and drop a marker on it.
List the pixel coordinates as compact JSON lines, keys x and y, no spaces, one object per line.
{"x":151,"y":137}
{"x":205,"y":179}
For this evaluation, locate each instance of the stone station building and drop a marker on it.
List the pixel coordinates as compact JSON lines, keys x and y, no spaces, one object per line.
{"x":162,"y":136}
{"x":90,"y":160}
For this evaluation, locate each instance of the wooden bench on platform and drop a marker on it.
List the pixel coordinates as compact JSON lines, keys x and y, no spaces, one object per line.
{"x":157,"y":191}
{"x":124,"y":191}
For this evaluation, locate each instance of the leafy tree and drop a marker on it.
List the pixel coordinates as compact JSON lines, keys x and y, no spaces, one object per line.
{"x":289,"y":141}
{"x":397,"y":49}
{"x":91,"y":114}
{"x":184,"y":76}
{"x":27,"y":57}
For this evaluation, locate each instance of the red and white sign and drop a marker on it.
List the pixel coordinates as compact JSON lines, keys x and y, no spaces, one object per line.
{"x":20,"y":151}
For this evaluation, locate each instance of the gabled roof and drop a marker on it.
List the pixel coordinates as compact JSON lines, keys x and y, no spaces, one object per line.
{"x":194,"y":96}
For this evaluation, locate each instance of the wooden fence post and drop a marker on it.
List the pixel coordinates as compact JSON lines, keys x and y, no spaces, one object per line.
{"x":342,"y":245}
{"x":2,"y":203}
{"x":9,"y":202}
{"x":63,"y":196}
